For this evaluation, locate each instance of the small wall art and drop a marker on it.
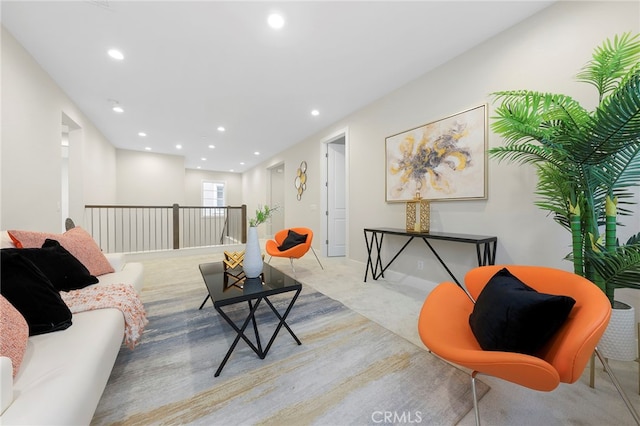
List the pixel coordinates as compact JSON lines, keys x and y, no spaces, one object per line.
{"x":300,"y":181}
{"x":441,"y":160}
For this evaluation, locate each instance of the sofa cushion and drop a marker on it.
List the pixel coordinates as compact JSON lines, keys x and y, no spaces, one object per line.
{"x":32,"y":294}
{"x":511,"y":316}
{"x":15,"y":334}
{"x":76,"y":240}
{"x":63,"y":270}
{"x":65,"y":373}
{"x":292,"y":240}
{"x":5,"y":240}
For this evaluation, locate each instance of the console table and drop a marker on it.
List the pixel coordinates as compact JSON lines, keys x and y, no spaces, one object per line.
{"x":485,"y":248}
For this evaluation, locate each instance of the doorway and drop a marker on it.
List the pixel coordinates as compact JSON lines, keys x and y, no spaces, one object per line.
{"x":71,"y":201}
{"x":336,"y":196}
{"x":276,"y":198}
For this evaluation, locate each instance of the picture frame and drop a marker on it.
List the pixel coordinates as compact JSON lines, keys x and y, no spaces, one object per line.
{"x":442,"y":160}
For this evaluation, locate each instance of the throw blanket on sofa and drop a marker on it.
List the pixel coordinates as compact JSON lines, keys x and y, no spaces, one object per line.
{"x":119,"y":296}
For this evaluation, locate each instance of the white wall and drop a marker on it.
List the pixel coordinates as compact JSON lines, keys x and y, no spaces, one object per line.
{"x":542,"y":53}
{"x":146,"y":178}
{"x":193,"y":186}
{"x":31,"y":163}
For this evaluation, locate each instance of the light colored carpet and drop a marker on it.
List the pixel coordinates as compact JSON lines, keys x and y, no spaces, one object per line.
{"x":348,"y":370}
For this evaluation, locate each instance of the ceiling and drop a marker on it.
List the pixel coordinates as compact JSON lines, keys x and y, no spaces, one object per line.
{"x":190,"y":67}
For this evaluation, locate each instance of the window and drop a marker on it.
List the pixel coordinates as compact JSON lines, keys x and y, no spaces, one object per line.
{"x":212,"y":196}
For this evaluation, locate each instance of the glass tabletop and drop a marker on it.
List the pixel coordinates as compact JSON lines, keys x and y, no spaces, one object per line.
{"x":235,"y":290}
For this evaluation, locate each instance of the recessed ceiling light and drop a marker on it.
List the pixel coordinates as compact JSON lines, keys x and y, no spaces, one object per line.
{"x":212,"y":146}
{"x":142,"y":134}
{"x":118,"y":109}
{"x":115,"y":54}
{"x":148,"y":148}
{"x":315,"y":112}
{"x":178,"y":146}
{"x":198,"y":167}
{"x":231,"y":170}
{"x":221,"y":129}
{"x":276,"y":21}
{"x":203,"y":159}
{"x":256,"y":153}
{"x":242,"y":163}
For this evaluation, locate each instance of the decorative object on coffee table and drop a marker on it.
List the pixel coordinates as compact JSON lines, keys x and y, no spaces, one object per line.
{"x":253,"y":259}
{"x":252,"y":263}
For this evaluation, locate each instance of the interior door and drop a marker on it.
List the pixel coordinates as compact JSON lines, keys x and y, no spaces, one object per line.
{"x":336,"y":198}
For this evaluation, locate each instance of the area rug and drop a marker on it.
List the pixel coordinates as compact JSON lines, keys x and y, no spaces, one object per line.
{"x":348,"y":370}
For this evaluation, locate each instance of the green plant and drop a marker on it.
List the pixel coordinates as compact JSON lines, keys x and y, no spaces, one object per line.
{"x":587,"y":161}
{"x":262,"y":215}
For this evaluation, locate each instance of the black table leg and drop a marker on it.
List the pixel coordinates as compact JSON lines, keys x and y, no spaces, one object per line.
{"x":282,"y":321}
{"x":262,"y":353}
{"x":240,"y":334}
{"x":255,"y":327}
{"x":369,"y":245}
{"x":205,"y":301}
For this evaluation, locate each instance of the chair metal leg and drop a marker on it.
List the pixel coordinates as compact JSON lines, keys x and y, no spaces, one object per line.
{"x":592,"y":370}
{"x":292,"y":267}
{"x":475,"y":397}
{"x":314,"y":253}
{"x":623,"y":395}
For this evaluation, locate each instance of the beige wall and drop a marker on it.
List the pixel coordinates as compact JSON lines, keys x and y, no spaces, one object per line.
{"x":33,"y":110}
{"x":31,"y":164}
{"x":542,"y":53}
{"x":193,"y":186}
{"x":145,"y":178}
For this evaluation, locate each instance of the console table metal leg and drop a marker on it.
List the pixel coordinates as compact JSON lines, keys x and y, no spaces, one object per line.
{"x":444,"y":265}
{"x":379,"y":267}
{"x":369,"y":261}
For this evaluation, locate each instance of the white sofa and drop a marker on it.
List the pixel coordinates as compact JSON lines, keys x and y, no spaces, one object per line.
{"x":63,"y":374}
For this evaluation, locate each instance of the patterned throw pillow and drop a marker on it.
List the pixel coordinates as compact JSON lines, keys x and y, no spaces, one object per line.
{"x":76,"y":240}
{"x":15,"y":334}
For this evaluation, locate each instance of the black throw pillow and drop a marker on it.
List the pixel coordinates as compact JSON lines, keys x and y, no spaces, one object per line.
{"x":292,"y":240}
{"x":511,"y":316}
{"x":32,"y":294}
{"x":63,"y":270}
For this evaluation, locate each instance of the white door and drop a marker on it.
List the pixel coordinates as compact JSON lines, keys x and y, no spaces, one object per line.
{"x":336,"y":198}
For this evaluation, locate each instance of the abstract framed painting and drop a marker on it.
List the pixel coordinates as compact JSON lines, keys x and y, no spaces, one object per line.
{"x":442,"y":160}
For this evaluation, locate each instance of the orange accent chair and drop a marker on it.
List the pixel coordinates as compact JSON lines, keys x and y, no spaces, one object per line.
{"x":444,"y":328}
{"x":295,"y":252}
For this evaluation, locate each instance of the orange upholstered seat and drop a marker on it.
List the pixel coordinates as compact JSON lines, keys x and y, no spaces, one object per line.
{"x":295,"y":252}
{"x":444,"y":328}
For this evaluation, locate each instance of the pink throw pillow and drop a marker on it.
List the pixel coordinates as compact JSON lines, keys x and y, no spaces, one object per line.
{"x":15,"y":334}
{"x":76,"y":240}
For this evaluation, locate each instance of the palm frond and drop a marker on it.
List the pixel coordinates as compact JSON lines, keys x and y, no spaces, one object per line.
{"x":610,"y":62}
{"x":619,"y":269}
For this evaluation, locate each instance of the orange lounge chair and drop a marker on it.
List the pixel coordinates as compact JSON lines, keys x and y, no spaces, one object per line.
{"x":444,"y":328}
{"x":295,"y":252}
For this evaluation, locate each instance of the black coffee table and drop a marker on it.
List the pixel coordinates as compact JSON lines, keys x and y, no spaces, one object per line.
{"x":224,"y":291}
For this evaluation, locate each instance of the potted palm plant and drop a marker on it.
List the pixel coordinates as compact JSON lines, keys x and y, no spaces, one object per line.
{"x":587,"y":162}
